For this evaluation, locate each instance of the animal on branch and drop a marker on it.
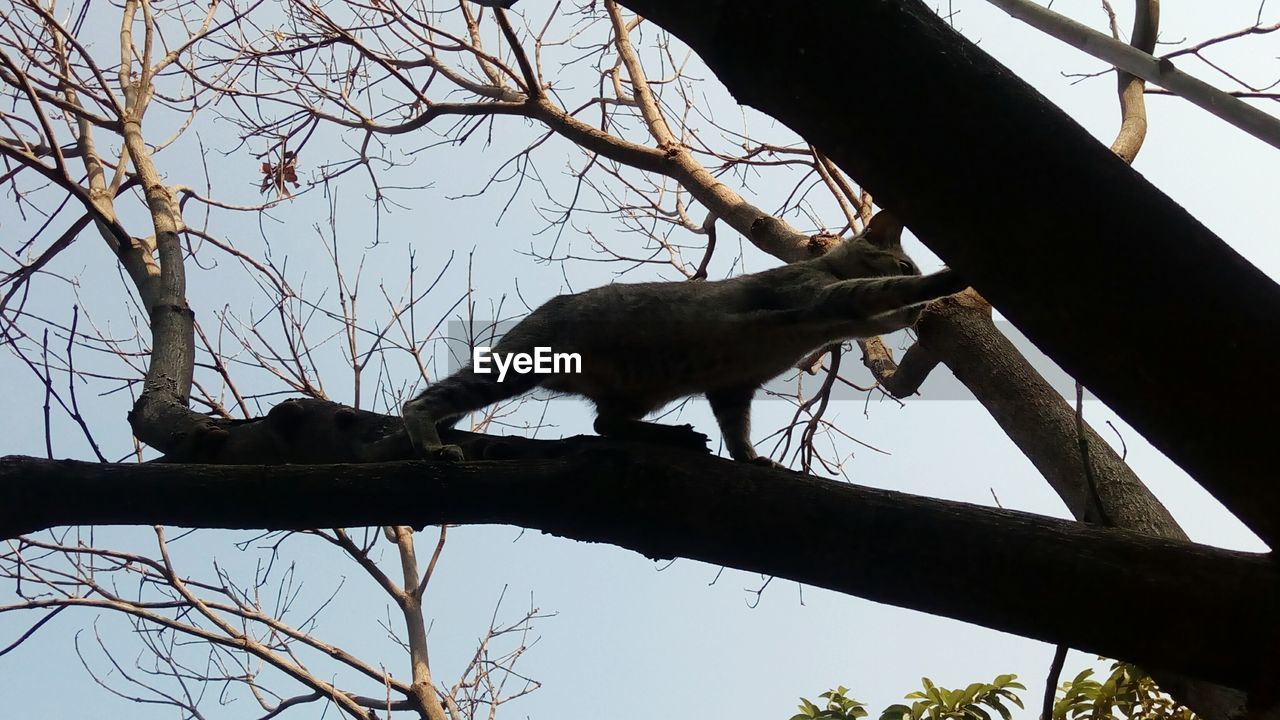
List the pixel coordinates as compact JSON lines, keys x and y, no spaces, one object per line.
{"x":641,"y":346}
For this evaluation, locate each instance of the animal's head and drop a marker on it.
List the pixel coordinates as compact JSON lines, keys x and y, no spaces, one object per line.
{"x":875,"y":252}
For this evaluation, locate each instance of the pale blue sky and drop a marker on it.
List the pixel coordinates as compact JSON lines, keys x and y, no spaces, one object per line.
{"x":630,"y":641}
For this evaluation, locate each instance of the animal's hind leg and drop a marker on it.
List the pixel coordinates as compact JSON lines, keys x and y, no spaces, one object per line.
{"x":620,"y":423}
{"x":732,"y":408}
{"x":458,"y":394}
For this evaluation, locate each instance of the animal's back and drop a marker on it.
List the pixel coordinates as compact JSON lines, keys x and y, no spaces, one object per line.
{"x":646,"y":344}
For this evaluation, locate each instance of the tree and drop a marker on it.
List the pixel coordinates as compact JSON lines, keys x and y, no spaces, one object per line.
{"x":375,"y":73}
{"x":1126,"y":692}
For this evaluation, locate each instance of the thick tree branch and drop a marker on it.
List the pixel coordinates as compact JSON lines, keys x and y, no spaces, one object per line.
{"x":1037,"y":418}
{"x":993,"y":177}
{"x":973,"y":563}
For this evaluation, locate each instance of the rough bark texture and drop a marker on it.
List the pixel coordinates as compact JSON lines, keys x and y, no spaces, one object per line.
{"x":1044,"y":578}
{"x":1042,"y":424}
{"x":1037,"y":418}
{"x":1099,"y":268}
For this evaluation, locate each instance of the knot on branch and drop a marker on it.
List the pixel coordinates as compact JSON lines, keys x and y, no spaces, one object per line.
{"x":183,"y":309}
{"x":820,"y":243}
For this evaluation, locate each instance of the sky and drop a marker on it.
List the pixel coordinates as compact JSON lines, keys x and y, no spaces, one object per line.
{"x":626,"y":637}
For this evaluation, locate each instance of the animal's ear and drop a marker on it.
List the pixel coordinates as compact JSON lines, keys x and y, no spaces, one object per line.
{"x":884,"y":231}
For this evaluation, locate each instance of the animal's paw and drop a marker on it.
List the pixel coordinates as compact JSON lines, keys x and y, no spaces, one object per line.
{"x":770,"y":463}
{"x":948,"y":282}
{"x":446,"y":453}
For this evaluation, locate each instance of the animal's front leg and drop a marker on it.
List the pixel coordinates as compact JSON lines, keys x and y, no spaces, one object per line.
{"x":867,"y":298}
{"x":890,"y":322}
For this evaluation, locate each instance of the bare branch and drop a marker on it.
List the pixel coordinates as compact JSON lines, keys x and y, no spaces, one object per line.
{"x":1140,"y":64}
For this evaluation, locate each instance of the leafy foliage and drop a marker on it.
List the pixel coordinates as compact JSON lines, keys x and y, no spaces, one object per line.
{"x":972,"y":703}
{"x":1128,"y":694}
{"x":839,"y":707}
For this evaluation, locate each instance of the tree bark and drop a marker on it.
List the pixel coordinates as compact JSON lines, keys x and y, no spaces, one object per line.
{"x":1054,"y":580}
{"x":1037,"y":418}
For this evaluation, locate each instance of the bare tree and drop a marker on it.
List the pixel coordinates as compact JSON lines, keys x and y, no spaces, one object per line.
{"x":77,"y":148}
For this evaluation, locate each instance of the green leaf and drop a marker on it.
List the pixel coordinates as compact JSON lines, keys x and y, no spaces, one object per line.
{"x":1084,"y":675}
{"x":1012,"y":697}
{"x":896,"y":712}
{"x":1000,"y":708}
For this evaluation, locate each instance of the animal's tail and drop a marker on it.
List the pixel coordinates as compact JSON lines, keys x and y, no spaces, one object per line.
{"x":467,"y":390}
